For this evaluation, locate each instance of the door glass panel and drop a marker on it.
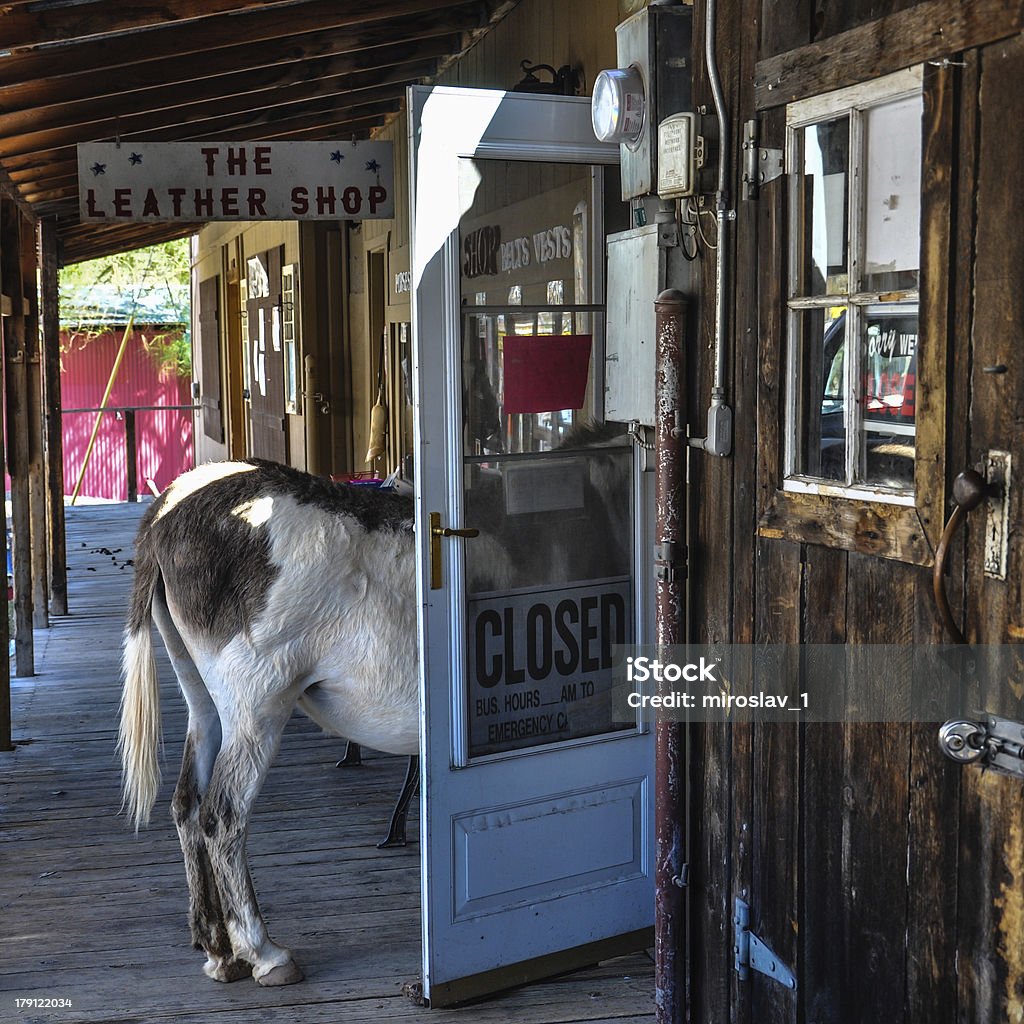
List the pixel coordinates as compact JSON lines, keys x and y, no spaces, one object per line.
{"x":549,"y":581}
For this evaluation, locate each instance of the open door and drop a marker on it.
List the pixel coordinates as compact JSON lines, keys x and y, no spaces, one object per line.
{"x":537,"y":821}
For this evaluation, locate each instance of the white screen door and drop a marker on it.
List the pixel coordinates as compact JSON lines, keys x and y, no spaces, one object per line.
{"x":537,"y":805}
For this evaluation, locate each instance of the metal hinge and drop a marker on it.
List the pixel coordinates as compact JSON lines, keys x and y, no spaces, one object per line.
{"x":760,"y":165}
{"x":669,"y":561}
{"x":996,"y":743}
{"x":752,"y":952}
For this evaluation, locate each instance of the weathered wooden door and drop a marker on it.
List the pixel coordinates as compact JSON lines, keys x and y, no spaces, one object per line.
{"x":887,"y":878}
{"x":208,"y":342}
{"x":266,"y":388}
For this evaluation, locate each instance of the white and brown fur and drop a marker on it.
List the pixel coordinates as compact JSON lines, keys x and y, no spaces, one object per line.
{"x":271,"y":589}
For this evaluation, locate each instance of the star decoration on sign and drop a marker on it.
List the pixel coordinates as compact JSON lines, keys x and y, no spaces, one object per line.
{"x":98,"y":168}
{"x":135,"y":158}
{"x":372,"y":165}
{"x":336,"y":157}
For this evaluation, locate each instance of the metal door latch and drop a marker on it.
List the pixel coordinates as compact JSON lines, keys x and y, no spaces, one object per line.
{"x":996,"y":743}
{"x":753,"y":952}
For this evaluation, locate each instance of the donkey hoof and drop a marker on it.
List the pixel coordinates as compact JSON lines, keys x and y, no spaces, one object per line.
{"x":227,"y":970}
{"x":283,"y":974}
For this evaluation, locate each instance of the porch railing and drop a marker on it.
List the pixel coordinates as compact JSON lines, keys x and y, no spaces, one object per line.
{"x":127,"y":414}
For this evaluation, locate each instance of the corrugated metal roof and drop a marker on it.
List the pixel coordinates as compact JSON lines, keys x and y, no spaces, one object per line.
{"x":111,"y":306}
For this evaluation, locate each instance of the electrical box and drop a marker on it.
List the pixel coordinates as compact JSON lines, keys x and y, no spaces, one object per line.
{"x":636,"y":275}
{"x":658,"y":42}
{"x":680,"y":154}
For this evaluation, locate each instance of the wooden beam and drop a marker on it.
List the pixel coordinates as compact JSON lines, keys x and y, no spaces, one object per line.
{"x":297,"y":33}
{"x":240,"y":127}
{"x":21,"y":28}
{"x":50,"y":314}
{"x":927,"y":31}
{"x":317,"y":124}
{"x":226,"y":72}
{"x":92,"y":246}
{"x":15,"y":386}
{"x":343,"y":90}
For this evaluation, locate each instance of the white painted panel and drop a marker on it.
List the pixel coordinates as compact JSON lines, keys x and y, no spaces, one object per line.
{"x":596,"y":842}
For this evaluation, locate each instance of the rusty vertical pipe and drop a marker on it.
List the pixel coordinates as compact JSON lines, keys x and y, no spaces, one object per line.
{"x":670,"y":589}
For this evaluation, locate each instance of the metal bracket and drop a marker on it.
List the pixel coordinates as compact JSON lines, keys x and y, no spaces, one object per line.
{"x":994,"y":742}
{"x":753,"y":952}
{"x":760,"y":165}
{"x":997,"y":523}
{"x":668,"y":565}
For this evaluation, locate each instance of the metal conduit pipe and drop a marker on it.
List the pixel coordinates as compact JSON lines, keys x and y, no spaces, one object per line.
{"x":670,"y":591}
{"x":718,"y":440}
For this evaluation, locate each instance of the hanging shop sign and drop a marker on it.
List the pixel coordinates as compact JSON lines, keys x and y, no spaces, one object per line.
{"x":208,"y":181}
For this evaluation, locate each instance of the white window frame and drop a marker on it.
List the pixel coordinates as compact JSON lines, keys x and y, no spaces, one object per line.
{"x":290,"y":335}
{"x":851,"y":102}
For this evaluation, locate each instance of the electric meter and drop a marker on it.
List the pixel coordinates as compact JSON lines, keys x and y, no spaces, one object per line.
{"x":618,"y":107}
{"x":652,"y":82}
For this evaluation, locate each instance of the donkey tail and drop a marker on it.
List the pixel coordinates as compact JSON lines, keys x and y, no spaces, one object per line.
{"x":139,"y":736}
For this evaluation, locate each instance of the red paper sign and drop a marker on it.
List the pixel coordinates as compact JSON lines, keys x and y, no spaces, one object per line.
{"x":545,"y":372}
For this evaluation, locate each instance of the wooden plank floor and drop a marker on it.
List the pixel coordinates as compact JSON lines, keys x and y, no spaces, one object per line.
{"x":92,"y":914}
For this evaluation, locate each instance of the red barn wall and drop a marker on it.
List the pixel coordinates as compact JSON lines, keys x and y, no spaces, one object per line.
{"x":164,"y":438}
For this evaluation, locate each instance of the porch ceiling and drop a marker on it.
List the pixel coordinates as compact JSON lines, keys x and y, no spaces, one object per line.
{"x":172,"y":70}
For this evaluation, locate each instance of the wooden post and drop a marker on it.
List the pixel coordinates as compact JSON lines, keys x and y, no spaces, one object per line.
{"x":34,"y":401}
{"x":54,"y":443}
{"x":131,"y":455}
{"x":15,"y":386}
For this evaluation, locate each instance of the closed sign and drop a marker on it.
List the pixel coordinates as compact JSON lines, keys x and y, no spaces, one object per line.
{"x":540,"y":664}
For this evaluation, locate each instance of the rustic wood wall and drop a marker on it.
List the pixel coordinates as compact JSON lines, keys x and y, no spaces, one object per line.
{"x":871,"y":864}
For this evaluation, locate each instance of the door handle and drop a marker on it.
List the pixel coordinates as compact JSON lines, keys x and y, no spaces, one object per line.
{"x":437,"y":531}
{"x":969,"y":490}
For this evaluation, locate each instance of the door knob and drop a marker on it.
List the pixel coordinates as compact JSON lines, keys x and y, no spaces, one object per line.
{"x":969,"y":491}
{"x":437,"y":531}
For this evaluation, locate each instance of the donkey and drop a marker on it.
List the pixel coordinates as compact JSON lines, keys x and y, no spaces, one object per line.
{"x":271,"y":589}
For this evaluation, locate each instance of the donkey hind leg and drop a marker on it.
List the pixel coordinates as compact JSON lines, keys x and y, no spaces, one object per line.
{"x":202,"y":742}
{"x":250,"y":739}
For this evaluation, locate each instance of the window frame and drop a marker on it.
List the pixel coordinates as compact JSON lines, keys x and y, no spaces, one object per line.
{"x":852,"y":103}
{"x":864,"y":518}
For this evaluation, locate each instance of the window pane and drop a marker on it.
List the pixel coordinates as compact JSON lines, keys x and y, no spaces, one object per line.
{"x":825,"y":204}
{"x":821,"y":399}
{"x":889,"y":373}
{"x":892,"y":211}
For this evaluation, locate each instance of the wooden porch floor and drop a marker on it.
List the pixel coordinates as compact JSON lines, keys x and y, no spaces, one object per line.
{"x":91,"y":914}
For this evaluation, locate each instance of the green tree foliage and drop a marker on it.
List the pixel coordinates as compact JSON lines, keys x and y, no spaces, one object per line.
{"x":99,"y":295}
